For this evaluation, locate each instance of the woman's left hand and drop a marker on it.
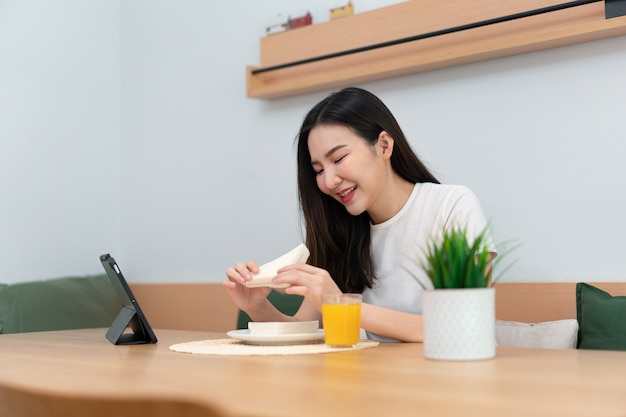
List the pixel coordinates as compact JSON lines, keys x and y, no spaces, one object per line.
{"x":308,"y":281}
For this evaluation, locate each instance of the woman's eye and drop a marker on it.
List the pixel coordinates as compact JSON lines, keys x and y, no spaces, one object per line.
{"x":318,"y":172}
{"x":340,"y":159}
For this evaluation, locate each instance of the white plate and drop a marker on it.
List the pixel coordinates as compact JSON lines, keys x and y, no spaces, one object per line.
{"x":276,"y":339}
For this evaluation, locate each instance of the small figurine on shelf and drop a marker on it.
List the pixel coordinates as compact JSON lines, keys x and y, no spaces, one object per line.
{"x":277,"y":25}
{"x":338,"y":12}
{"x":301,"y":20}
{"x":282,"y":24}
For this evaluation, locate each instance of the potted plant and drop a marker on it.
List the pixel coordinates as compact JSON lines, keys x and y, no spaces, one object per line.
{"x":459,"y":313}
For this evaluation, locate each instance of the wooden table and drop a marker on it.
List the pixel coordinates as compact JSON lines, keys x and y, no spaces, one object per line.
{"x":392,"y":379}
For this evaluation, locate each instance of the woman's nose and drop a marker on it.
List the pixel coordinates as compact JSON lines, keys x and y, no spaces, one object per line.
{"x":331,"y":179}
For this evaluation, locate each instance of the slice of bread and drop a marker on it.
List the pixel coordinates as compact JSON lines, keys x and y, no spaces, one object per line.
{"x":269,"y":270}
{"x":287,"y":327}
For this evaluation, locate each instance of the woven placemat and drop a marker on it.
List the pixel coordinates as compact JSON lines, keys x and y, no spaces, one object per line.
{"x":237,"y":347}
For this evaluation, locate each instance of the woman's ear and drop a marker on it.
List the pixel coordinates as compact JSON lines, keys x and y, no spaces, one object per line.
{"x":385,"y":144}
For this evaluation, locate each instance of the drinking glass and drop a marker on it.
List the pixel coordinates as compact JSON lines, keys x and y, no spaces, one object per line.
{"x":341,"y":317}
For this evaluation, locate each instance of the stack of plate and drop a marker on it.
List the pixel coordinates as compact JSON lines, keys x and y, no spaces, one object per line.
{"x":279,"y":333}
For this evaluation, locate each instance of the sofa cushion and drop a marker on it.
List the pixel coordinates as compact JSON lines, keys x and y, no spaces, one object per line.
{"x":58,"y":304}
{"x":558,"y":334}
{"x":601,"y":318}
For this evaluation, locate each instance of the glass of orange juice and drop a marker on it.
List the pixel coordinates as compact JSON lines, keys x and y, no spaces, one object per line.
{"x":341,"y":317}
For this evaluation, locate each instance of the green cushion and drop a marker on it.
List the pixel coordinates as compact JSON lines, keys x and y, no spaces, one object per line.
{"x":58,"y":304}
{"x":285,"y":303}
{"x":601,"y":319}
{"x":2,"y":304}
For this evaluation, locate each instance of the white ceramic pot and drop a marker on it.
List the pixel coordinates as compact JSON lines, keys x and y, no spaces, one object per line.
{"x":459,"y":324}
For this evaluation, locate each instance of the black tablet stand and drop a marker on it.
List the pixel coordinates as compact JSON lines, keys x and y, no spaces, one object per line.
{"x":130,"y":317}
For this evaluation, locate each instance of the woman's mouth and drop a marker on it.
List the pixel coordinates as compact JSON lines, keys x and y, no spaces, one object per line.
{"x":347,"y":194}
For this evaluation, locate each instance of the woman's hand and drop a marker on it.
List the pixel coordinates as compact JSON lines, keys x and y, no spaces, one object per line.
{"x":309,"y":281}
{"x":244,"y":298}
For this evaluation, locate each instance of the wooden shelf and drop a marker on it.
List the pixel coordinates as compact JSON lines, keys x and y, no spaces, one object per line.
{"x":565,"y":27}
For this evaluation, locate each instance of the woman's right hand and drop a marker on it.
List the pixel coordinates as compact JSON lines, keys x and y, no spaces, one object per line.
{"x":244,"y":298}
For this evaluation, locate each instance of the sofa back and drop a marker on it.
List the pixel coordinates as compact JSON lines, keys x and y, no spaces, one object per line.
{"x":534,"y":302}
{"x":58,"y":304}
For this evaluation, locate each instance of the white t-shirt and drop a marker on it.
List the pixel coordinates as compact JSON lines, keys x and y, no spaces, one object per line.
{"x":400,"y":244}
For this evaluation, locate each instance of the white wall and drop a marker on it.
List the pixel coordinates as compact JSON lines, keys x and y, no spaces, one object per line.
{"x":208,"y":176}
{"x":540,"y":138}
{"x":59,"y":136}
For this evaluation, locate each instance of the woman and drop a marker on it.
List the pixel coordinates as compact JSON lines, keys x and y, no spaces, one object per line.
{"x":370,"y":209}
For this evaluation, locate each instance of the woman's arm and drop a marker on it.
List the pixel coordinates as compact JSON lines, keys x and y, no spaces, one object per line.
{"x":405,"y":327}
{"x":312,"y":282}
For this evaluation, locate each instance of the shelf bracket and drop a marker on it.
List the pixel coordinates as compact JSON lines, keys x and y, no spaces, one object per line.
{"x":614,"y":8}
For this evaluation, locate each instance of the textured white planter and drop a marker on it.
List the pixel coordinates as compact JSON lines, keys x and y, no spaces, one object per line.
{"x":459,"y":324}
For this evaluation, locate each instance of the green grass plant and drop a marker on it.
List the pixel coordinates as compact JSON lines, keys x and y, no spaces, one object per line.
{"x":454,"y":262}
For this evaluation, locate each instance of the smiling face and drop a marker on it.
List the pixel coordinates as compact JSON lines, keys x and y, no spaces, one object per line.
{"x":349,"y":170}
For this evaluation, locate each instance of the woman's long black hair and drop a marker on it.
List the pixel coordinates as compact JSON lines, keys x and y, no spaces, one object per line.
{"x":338,"y":241}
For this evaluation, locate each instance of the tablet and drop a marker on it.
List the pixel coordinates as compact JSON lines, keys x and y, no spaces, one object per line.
{"x":131,"y":317}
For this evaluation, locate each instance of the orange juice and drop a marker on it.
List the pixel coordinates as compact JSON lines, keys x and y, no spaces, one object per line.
{"x":342,"y":320}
